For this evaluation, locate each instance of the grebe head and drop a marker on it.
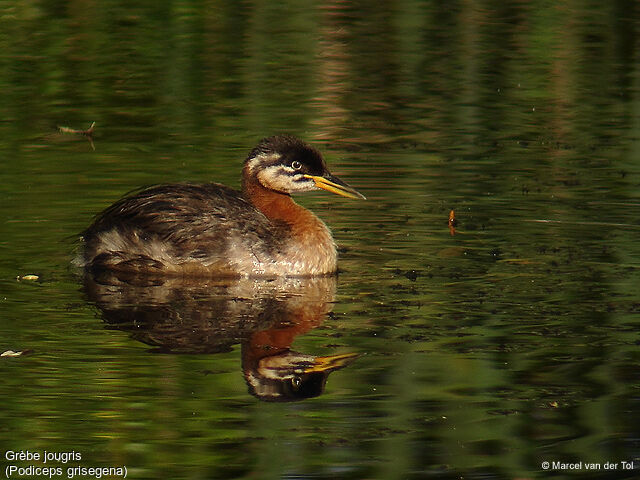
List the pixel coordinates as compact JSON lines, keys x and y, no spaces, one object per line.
{"x":288,"y":165}
{"x":290,"y":376}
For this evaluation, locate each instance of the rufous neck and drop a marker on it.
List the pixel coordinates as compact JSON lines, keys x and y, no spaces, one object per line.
{"x":275,"y":205}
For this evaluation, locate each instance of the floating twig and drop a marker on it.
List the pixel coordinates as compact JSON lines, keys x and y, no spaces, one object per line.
{"x":88,"y":133}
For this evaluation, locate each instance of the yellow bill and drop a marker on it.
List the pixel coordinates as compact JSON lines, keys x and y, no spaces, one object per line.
{"x":331,"y":363}
{"x":335,"y":185}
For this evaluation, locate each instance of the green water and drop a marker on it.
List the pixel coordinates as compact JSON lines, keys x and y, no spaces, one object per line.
{"x":483,"y":354}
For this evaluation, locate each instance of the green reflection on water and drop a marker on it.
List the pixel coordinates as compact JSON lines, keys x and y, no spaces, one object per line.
{"x":485,"y":353}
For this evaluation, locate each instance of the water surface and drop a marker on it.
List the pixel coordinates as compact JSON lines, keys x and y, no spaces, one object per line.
{"x":482,"y":354}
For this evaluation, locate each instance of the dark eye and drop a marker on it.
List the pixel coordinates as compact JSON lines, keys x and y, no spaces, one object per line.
{"x":296,"y":165}
{"x":296,"y":382}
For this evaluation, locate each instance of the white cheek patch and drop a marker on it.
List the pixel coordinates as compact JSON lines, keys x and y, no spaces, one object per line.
{"x":278,"y":177}
{"x":264,"y":158}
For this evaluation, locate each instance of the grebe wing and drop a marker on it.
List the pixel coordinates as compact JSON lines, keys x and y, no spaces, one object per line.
{"x":185,"y":215}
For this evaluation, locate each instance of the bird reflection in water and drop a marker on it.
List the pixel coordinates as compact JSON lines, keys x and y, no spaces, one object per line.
{"x":182,"y":315}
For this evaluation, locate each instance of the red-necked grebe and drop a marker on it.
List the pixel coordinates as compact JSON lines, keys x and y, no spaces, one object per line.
{"x":211,"y":229}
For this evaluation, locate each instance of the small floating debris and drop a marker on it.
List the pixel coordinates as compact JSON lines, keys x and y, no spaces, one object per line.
{"x":86,"y":133}
{"x":11,"y":353}
{"x":412,"y":275}
{"x":452,"y":222}
{"x":28,"y":278}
